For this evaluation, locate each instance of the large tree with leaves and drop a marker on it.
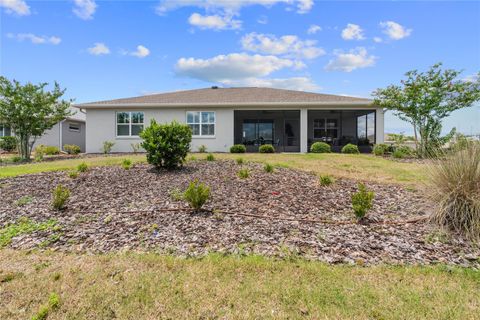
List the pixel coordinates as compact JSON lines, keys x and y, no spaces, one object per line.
{"x":424,"y":99}
{"x":30,"y":110}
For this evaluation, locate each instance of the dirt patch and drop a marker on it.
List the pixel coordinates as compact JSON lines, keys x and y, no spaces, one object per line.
{"x":115,"y":209}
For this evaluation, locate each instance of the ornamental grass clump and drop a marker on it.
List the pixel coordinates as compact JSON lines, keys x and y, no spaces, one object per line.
{"x":60,"y":197}
{"x":82,"y":167}
{"x":268,"y":168}
{"x":126,"y":164}
{"x":243,"y":173}
{"x":326,"y":180}
{"x":196,"y":194}
{"x":454,"y":185}
{"x":210,"y":157}
{"x":362,"y":201}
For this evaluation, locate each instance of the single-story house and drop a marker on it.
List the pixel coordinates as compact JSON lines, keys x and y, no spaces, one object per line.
{"x":69,"y":131}
{"x":220,"y":117}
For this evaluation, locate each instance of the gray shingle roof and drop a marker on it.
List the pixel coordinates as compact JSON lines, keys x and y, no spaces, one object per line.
{"x":229,"y":96}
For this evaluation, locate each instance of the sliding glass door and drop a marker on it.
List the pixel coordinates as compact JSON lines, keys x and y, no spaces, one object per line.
{"x":366,"y":129}
{"x":258,"y":132}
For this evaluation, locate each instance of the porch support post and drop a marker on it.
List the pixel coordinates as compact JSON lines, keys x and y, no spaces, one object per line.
{"x":304,"y":130}
{"x":379,"y":126}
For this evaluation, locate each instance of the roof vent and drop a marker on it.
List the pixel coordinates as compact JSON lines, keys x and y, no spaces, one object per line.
{"x":214,"y":87}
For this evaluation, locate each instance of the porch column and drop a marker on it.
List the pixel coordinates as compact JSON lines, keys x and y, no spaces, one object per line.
{"x":304,"y":130}
{"x":379,"y":126}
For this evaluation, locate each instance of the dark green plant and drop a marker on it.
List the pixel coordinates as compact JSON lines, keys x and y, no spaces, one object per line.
{"x":167,"y":145}
{"x":107,"y":146}
{"x":362,"y":201}
{"x":73,"y":174}
{"x":350,"y":148}
{"x":82,"y":167}
{"x":71,"y":149}
{"x":326,"y":180}
{"x":126,"y":164}
{"x":30,"y":111}
{"x":8,"y":144}
{"x":424,"y":99}
{"x":268,"y":167}
{"x":16,"y":159}
{"x":398,"y":154}
{"x":320,"y":147}
{"x":60,"y":197}
{"x":243,"y":173}
{"x":240,"y":161}
{"x":380,"y":149}
{"x":196,"y":194}
{"x":238,"y":148}
{"x":210,"y":157}
{"x":266,"y":148}
{"x":202,"y":148}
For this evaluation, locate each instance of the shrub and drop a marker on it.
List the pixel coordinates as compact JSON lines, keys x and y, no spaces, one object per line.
{"x":406,"y":150}
{"x":320,"y":147}
{"x":210,"y":157}
{"x":60,"y":197}
{"x":135,"y":147}
{"x":126,"y":164}
{"x":8,"y":144}
{"x":350,"y":148}
{"x":326,"y":180}
{"x":73,"y":174}
{"x":48,"y":150}
{"x":71,"y":148}
{"x":243,"y":173}
{"x":455,"y":189}
{"x":266,"y":148}
{"x":380,"y":149}
{"x":16,"y":159}
{"x":167,"y":145}
{"x":202,"y":148}
{"x":268,"y":167}
{"x":107,"y":146}
{"x":398,"y":154}
{"x":240,"y":161}
{"x":362,"y":201}
{"x":196,"y":194}
{"x":238,"y":148}
{"x":82,"y":167}
{"x":38,"y":156}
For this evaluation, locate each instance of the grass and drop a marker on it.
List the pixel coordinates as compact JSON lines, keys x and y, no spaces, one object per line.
{"x":362,"y":167}
{"x":22,"y":226}
{"x":149,"y":286}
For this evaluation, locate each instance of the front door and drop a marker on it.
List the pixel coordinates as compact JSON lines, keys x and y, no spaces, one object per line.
{"x":291,"y":135}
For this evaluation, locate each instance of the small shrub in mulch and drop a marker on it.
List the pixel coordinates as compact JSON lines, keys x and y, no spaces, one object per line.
{"x":210,"y":157}
{"x":243,"y":173}
{"x":268,"y":168}
{"x":107,"y":146}
{"x":266,"y":148}
{"x":238,"y":148}
{"x":362,"y":201}
{"x":320,"y":147}
{"x":82,"y":167}
{"x":326,"y":180}
{"x":202,"y":148}
{"x":126,"y":164}
{"x":71,"y":149}
{"x":350,"y":149}
{"x":196,"y":194}
{"x":60,"y":197}
{"x":240,"y":161}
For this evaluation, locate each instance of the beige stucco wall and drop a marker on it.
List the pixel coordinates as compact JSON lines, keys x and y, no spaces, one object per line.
{"x":101,"y":127}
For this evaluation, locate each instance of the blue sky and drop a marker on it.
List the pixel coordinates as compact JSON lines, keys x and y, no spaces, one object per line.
{"x":110,"y":49}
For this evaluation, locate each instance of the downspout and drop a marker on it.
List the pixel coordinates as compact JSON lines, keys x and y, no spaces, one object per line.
{"x":61,"y":135}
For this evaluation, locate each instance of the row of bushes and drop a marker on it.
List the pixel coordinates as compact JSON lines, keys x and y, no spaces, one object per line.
{"x":397,"y":151}
{"x":317,"y":147}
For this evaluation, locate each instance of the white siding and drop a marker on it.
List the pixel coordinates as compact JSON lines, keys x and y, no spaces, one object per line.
{"x":101,"y":127}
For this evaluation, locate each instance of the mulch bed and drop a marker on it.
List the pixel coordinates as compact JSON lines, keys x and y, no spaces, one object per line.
{"x":275,"y":214}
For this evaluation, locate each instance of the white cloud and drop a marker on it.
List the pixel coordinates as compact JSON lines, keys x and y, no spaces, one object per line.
{"x":231,"y":6}
{"x":294,"y":83}
{"x":377,"y":39}
{"x":141,"y":52}
{"x":234,"y":66}
{"x":216,"y":22}
{"x":19,"y":7}
{"x":99,"y":49}
{"x":394,"y":30}
{"x":354,"y":59}
{"x":35,"y":39}
{"x":84,"y":9}
{"x":314,"y":29}
{"x":353,"y":32}
{"x":288,"y":45}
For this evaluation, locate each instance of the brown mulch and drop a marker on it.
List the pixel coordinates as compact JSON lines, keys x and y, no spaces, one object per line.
{"x":281,"y":213}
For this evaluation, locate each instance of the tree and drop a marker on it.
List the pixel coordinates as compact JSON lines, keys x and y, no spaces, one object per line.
{"x":30,"y":110}
{"x":424,"y":99}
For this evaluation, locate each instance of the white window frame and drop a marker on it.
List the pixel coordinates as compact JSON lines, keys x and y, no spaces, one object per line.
{"x":2,"y":132}
{"x":201,"y":135}
{"x":129,"y":124}
{"x":74,"y":124}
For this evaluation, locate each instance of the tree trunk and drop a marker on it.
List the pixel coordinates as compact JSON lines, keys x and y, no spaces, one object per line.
{"x":25,"y":149}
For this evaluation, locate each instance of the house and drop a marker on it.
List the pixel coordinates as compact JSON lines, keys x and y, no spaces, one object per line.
{"x":69,"y":131}
{"x":220,"y":117}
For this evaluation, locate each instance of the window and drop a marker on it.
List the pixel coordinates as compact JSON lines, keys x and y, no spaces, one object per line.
{"x":366,"y":128}
{"x":129,"y":124}
{"x":74,"y":127}
{"x":5,"y":131}
{"x":325,"y":129}
{"x":202,"y":123}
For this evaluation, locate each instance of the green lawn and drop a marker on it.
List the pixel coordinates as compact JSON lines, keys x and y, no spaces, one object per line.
{"x":362,"y":167}
{"x":149,"y":286}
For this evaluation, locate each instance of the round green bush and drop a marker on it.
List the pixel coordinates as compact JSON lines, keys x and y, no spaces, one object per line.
{"x":238,"y":148}
{"x":350,"y":148}
{"x":266,"y":148}
{"x":320,"y":147}
{"x":71,"y":149}
{"x":167,"y":145}
{"x":8,"y":144}
{"x":380,"y":149}
{"x":406,"y":150}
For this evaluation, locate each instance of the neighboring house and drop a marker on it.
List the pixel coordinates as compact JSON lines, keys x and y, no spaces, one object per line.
{"x":220,"y":117}
{"x":68,"y":131}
